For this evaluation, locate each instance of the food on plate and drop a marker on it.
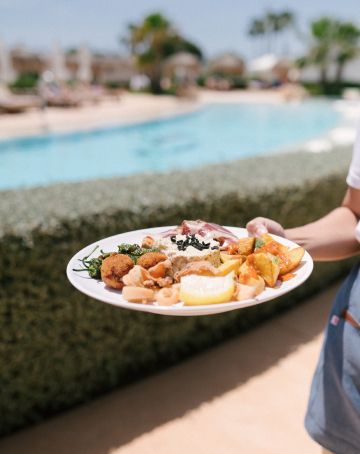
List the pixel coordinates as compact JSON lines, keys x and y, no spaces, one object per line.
{"x":140,"y":277}
{"x":251,"y":278}
{"x":134,"y":251}
{"x":150,"y":259}
{"x":266,"y":239}
{"x":207,"y":230}
{"x":293,"y":257}
{"x":195,"y":263}
{"x":167,"y":296}
{"x":225,"y":257}
{"x":114,"y":268}
{"x":267,"y":265}
{"x":244,"y":292}
{"x":198,"y":290}
{"x":161,"y":270}
{"x":93,"y":266}
{"x":138,"y":294}
{"x":244,"y":246}
{"x":201,"y":268}
{"x":230,"y":265}
{"x":184,"y":249}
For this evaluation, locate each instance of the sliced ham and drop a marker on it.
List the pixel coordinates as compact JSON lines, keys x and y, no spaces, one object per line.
{"x":208,"y":230}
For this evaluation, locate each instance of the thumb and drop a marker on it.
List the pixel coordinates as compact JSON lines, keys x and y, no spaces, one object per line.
{"x":257,"y":227}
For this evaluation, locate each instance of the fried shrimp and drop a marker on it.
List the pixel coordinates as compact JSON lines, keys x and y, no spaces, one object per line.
{"x":150,"y":259}
{"x":114,"y":268}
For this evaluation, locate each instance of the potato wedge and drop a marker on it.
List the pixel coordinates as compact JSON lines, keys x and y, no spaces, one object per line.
{"x":227,"y":267}
{"x":295,"y":256}
{"x":269,"y":267}
{"x":244,"y":267}
{"x":267,"y":238}
{"x":246,"y":245}
{"x":226,"y":257}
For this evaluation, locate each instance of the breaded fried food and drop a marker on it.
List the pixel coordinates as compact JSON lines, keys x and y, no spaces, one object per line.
{"x":150,"y":259}
{"x":114,"y":268}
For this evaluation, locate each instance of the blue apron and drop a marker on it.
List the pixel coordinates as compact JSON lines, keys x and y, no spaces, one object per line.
{"x":333,"y":416}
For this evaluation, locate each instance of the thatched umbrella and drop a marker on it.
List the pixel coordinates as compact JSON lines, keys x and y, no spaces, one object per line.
{"x":25,"y":61}
{"x":228,"y":64}
{"x":183,"y":64}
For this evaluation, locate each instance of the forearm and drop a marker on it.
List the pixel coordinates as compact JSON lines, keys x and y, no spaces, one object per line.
{"x":330,"y":238}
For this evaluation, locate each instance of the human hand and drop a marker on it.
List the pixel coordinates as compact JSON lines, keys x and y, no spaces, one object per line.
{"x":259,"y":226}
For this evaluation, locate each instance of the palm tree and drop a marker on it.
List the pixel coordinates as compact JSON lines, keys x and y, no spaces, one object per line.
{"x":324,"y":36}
{"x":146,"y":41}
{"x":333,"y":42}
{"x":257,"y":28}
{"x":284,"y":22}
{"x":271,"y":25}
{"x":152,"y":41}
{"x":347,"y":47}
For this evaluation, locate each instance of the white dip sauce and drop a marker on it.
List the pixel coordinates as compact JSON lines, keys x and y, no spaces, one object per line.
{"x":180,"y":258}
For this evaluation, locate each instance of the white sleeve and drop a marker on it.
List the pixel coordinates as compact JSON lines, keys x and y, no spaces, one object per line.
{"x":353,"y":178}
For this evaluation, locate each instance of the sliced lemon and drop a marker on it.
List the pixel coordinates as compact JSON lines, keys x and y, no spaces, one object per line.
{"x":197,"y":290}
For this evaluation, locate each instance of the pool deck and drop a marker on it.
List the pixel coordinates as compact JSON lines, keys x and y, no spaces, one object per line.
{"x":247,"y":395}
{"x":127,"y":108}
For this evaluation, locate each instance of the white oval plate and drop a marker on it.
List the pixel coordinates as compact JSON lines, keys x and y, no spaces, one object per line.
{"x":98,"y":290}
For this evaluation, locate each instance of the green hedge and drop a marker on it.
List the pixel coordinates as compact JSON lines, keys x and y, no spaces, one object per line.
{"x":58,"y":347}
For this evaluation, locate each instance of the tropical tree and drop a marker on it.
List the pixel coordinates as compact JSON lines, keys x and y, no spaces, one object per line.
{"x":271,"y":25}
{"x":332,"y":42}
{"x":152,"y":41}
{"x":324,"y":34}
{"x":347,"y":47}
{"x":257,"y":28}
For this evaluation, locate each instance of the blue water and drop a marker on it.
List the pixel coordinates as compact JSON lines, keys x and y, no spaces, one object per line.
{"x":218,"y":133}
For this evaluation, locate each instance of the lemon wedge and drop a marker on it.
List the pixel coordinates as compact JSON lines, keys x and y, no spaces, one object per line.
{"x":197,"y":290}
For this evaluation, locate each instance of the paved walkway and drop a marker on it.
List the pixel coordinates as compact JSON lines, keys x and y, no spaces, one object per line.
{"x":128,"y":108}
{"x":245,"y":396}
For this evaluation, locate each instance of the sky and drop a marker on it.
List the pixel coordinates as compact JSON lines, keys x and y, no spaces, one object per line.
{"x":215,"y":26}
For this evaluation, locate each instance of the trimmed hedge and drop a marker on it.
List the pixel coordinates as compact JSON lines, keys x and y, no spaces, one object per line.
{"x":59,"y":347}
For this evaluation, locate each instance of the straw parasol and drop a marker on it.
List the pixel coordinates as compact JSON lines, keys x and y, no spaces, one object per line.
{"x":183,"y":64}
{"x":228,"y":64}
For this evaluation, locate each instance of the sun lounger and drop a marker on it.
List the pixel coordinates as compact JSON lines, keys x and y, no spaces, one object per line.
{"x":11,"y":103}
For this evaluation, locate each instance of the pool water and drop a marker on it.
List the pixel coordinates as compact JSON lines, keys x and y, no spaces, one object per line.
{"x":213,"y":134}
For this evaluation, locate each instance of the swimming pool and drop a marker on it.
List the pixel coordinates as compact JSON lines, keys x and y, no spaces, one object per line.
{"x":213,"y":134}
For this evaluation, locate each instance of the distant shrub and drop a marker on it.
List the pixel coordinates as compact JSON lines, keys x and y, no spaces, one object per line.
{"x":27,"y":80}
{"x":329,"y":89}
